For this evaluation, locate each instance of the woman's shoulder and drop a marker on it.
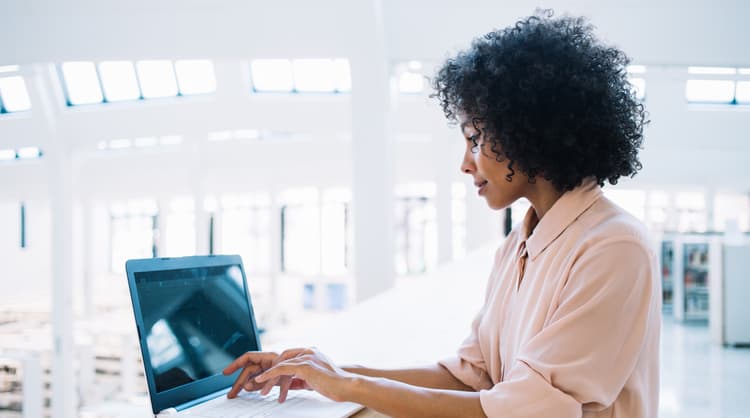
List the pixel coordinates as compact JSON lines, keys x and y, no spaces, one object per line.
{"x":606,"y":222}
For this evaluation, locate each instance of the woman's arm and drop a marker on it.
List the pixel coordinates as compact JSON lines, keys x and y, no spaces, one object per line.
{"x":390,"y":397}
{"x":434,"y":376}
{"x":397,"y":399}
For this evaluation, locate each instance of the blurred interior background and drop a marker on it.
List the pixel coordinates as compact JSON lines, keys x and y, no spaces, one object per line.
{"x":301,"y":135}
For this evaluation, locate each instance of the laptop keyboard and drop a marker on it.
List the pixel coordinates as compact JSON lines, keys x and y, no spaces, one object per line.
{"x":245,"y":405}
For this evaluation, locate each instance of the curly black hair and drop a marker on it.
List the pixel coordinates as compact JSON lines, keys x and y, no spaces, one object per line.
{"x":550,"y":98}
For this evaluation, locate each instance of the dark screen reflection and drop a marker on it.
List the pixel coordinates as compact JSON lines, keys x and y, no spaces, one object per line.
{"x":196,"y":321}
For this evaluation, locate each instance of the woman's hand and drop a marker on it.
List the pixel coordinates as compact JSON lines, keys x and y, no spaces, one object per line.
{"x":253,"y":363}
{"x":309,"y":369}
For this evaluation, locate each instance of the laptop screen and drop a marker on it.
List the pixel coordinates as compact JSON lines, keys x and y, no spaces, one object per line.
{"x":195,"y":320}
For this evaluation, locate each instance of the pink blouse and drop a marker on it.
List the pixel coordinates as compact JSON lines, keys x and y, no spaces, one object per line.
{"x":571,"y":319}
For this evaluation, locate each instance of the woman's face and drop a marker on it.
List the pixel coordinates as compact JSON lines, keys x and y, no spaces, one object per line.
{"x":489,"y":174}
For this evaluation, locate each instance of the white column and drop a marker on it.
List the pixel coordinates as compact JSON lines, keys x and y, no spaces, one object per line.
{"x":60,"y":171}
{"x":202,"y":217}
{"x":87,"y":291}
{"x":161,"y":226}
{"x":372,"y":185}
{"x":447,"y":161}
{"x":275,"y":258}
{"x":710,"y":197}
{"x":202,"y":220}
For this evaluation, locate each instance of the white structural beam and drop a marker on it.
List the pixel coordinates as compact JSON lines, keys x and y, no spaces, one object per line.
{"x":88,"y":249}
{"x":447,"y":160}
{"x":373,"y":157}
{"x":60,"y":180}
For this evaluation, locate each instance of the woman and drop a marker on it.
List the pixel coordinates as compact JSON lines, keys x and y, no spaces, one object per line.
{"x":571,"y":319}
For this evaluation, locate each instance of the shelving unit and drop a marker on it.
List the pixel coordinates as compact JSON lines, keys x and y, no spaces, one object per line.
{"x":695,"y":279}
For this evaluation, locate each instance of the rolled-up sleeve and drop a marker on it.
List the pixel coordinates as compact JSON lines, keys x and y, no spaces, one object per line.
{"x":591,"y":342}
{"x":468,"y":365}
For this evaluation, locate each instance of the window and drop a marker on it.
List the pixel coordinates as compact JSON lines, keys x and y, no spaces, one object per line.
{"x":218,"y":136}
{"x":416,"y":228}
{"x":336,"y":241}
{"x":133,"y":231}
{"x":81,"y":83}
{"x":272,"y":75}
{"x":179,"y":228}
{"x":141,"y":142}
{"x":157,"y":78}
{"x":246,"y":228}
{"x":742,"y":94}
{"x":114,"y":81}
{"x":195,"y":76}
{"x":119,"y":81}
{"x":301,"y":75}
{"x":731,"y":212}
{"x":633,"y":201}
{"x":25,"y":153}
{"x":710,"y":91}
{"x":410,"y":78}
{"x":691,"y":211}
{"x":301,"y":232}
{"x":313,"y":75}
{"x":637,"y":82}
{"x":718,"y":85}
{"x":13,"y":94}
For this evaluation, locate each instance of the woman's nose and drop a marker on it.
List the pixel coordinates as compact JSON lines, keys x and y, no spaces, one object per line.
{"x":467,"y":165}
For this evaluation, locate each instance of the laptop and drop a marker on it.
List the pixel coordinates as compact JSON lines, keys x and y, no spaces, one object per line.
{"x":194,"y":316}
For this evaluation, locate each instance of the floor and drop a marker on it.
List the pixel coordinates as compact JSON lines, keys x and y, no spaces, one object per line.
{"x":700,"y":379}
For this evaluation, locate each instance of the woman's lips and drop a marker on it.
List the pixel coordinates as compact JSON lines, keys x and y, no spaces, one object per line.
{"x":481,"y":187}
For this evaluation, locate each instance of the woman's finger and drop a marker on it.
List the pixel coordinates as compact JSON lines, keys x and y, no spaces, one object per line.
{"x":285,"y":382}
{"x":247,"y":374}
{"x":287,"y":368}
{"x":251,"y":357}
{"x":291,"y":353}
{"x":269,"y":385}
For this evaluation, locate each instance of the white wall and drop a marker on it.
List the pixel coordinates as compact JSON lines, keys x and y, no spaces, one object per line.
{"x":686,"y":146}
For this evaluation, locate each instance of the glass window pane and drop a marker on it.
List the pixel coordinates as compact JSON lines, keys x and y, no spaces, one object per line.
{"x":731,"y":211}
{"x":410,"y":82}
{"x":180,"y":228}
{"x":272,"y":75}
{"x":14,"y":94}
{"x":157,"y":79}
{"x":28,"y":153}
{"x":712,"y":70}
{"x":633,"y":201}
{"x":342,"y":75}
{"x":7,"y":154}
{"x":710,"y":91}
{"x":119,"y":81}
{"x":638,"y":85}
{"x":195,"y":76}
{"x":636,"y":69}
{"x":81,"y":83}
{"x":9,"y":68}
{"x":743,"y":92}
{"x":313,"y":75}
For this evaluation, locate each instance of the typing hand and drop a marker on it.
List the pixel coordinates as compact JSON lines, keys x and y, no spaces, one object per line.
{"x":307,"y":368}
{"x":253,"y":363}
